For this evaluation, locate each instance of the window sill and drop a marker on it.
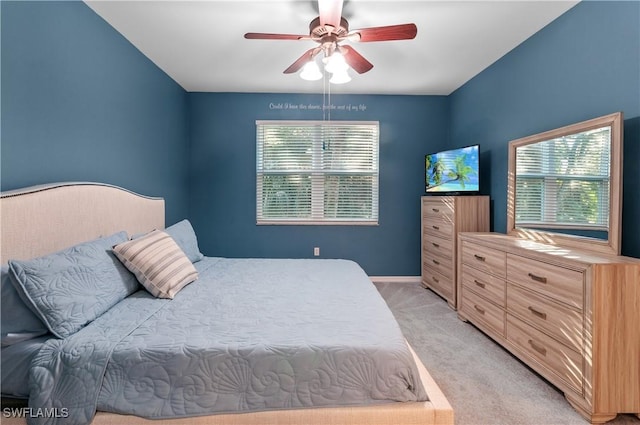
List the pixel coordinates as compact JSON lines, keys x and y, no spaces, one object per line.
{"x":317,"y":223}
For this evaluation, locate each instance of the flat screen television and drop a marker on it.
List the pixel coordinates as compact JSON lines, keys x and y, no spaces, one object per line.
{"x":453,"y":172}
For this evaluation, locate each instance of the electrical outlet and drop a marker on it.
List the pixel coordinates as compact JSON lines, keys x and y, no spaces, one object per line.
{"x":316,"y":251}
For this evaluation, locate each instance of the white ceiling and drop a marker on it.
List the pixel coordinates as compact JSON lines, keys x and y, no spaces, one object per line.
{"x":200,"y":44}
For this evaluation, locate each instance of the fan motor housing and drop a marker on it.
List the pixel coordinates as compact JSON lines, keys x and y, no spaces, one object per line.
{"x":319,"y":31}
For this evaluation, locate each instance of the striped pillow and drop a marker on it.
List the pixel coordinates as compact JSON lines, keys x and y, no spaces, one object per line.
{"x":158,"y":263}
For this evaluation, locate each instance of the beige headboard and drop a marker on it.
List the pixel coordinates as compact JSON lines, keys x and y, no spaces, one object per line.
{"x":39,"y":220}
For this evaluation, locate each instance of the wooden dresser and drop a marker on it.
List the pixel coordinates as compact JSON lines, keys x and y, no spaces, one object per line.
{"x":443,"y":217}
{"x":570,"y":314}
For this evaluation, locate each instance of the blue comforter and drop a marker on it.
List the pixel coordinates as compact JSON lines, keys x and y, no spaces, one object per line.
{"x":248,"y":335}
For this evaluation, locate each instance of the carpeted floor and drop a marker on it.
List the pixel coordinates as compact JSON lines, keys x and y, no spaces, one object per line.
{"x":483,"y":382}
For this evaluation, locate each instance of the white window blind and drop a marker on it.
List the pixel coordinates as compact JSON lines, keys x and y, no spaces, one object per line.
{"x":317,"y":172}
{"x":564,"y":182}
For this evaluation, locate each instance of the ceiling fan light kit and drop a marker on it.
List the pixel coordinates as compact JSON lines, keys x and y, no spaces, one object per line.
{"x":340,"y":77}
{"x":328,"y":30}
{"x":311,"y":71}
{"x":334,"y":65}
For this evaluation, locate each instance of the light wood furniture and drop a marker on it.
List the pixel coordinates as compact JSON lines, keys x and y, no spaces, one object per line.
{"x":442,"y":218}
{"x":565,"y":233}
{"x":39,"y":220}
{"x":572,"y":315}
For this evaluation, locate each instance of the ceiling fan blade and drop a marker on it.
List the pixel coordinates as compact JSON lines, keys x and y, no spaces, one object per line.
{"x":355,"y":60}
{"x":330,"y":12}
{"x":302,"y":60}
{"x":267,"y":36}
{"x":391,"y":32}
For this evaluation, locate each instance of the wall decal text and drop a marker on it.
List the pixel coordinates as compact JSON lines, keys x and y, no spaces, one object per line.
{"x":317,"y":107}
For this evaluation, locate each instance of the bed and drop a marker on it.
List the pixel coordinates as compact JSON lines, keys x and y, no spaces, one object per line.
{"x":250,"y":341}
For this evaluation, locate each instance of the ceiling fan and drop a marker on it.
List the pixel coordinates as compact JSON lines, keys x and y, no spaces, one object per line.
{"x":329,"y":30}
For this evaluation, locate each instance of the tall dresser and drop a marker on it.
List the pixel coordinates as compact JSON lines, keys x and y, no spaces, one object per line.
{"x":570,"y":314}
{"x":443,"y":217}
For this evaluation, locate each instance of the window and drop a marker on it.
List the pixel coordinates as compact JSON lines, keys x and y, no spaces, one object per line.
{"x":317,"y":172}
{"x":564,"y":182}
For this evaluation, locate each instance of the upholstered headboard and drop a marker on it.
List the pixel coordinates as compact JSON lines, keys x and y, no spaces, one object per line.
{"x":39,"y":220}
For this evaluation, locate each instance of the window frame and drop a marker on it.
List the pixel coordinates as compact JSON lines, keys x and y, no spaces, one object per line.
{"x":318,"y":177}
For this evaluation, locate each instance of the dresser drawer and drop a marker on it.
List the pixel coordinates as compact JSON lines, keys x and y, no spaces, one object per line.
{"x":488,"y":286}
{"x":565,"y":363}
{"x":564,"y":323}
{"x":439,"y":283}
{"x":439,"y":208}
{"x":439,"y":228}
{"x":434,"y":245}
{"x":444,"y":266}
{"x":485,"y":259}
{"x":559,"y":283}
{"x":480,"y":310}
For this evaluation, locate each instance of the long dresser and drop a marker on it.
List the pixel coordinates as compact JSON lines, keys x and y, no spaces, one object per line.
{"x":443,"y":217}
{"x":571,"y":315}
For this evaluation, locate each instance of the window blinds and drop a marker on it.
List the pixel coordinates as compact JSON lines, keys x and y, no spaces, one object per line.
{"x":317,"y":172}
{"x":564,"y":182}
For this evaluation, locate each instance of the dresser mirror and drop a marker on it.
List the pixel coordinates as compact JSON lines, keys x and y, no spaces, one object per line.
{"x":565,"y":185}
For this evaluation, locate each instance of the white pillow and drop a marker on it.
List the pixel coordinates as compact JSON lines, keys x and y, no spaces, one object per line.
{"x":158,"y":263}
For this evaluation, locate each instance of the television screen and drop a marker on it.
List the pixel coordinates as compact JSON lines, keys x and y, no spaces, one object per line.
{"x":453,"y":171}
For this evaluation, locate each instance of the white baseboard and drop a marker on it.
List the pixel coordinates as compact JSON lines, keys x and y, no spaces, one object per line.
{"x":396,"y":279}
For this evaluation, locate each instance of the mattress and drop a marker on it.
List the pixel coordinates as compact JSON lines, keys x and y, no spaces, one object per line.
{"x":248,"y":335}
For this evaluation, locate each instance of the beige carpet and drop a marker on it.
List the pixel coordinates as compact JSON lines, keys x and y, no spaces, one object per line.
{"x":483,"y":382}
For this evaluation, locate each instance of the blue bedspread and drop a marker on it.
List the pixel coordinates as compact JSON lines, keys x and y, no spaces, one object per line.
{"x":248,"y":335}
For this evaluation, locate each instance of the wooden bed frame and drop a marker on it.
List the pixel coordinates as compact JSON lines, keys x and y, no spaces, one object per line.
{"x":43,"y":219}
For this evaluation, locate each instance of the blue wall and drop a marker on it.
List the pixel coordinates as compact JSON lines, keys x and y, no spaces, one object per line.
{"x":79,"y":102}
{"x":223,"y":178}
{"x":584,"y":64}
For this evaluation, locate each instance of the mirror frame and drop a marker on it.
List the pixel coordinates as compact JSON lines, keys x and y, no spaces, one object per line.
{"x":612,"y":244}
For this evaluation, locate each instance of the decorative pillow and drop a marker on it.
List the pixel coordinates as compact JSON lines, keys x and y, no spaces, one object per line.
{"x":70,"y":288}
{"x":183,"y":234}
{"x":158,"y":262}
{"x":18,"y":322}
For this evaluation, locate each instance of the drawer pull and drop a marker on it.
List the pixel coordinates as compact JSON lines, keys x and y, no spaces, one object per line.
{"x":436,"y":262}
{"x":435,"y":210}
{"x":537,"y":347}
{"x":540,"y":279}
{"x":436,"y":227}
{"x":435,"y":279}
{"x":538,"y":313}
{"x":479,"y":257}
{"x":480,"y":284}
{"x":435,"y":244}
{"x":478,"y":309}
